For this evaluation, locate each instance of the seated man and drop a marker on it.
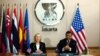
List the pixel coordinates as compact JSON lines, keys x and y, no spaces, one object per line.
{"x":37,"y":46}
{"x":67,"y":45}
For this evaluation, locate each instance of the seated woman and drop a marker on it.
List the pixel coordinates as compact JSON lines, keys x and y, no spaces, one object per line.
{"x":37,"y":46}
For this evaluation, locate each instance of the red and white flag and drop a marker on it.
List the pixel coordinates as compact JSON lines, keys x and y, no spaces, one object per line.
{"x":78,"y":31}
{"x":8,"y":30}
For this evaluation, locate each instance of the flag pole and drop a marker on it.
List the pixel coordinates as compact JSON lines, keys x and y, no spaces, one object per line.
{"x":0,"y":4}
{"x":3,"y":4}
{"x":77,"y":4}
{"x":86,"y":50}
{"x":8,"y":4}
{"x":20,"y":5}
{"x":14,"y":4}
{"x":26,"y":5}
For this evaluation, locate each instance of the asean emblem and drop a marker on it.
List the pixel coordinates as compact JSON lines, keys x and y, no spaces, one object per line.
{"x":49,"y":12}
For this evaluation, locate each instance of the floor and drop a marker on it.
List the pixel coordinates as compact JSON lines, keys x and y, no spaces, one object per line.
{"x":94,"y":52}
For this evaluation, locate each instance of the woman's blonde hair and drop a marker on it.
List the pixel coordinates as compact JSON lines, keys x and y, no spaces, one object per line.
{"x":38,"y":34}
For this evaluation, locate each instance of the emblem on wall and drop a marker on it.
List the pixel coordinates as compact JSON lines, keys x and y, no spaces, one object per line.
{"x":49,"y":12}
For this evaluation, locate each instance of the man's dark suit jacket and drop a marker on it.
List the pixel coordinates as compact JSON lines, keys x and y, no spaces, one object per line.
{"x":65,"y":42}
{"x":42,"y":47}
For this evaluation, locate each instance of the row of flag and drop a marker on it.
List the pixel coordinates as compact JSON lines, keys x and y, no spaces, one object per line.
{"x":15,"y":34}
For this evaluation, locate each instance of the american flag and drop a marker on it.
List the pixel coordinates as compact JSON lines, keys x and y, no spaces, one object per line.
{"x":77,"y":29}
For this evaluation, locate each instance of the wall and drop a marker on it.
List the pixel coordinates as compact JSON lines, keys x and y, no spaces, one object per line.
{"x":90,"y":13}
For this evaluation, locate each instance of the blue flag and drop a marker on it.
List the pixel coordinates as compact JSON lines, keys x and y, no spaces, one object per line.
{"x":26,"y":31}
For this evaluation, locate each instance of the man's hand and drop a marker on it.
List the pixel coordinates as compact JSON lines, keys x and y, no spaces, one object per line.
{"x":67,"y":47}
